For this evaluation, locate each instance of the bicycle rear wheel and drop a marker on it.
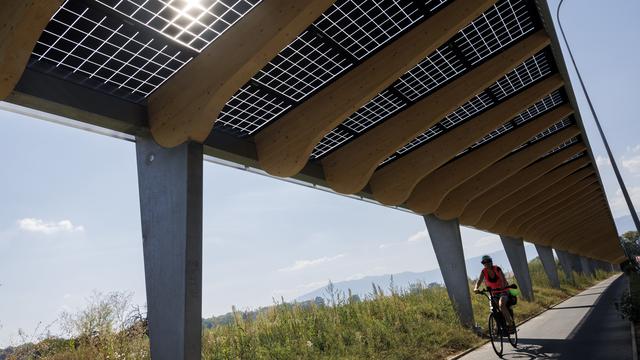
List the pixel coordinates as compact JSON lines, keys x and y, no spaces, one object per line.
{"x":496,"y":334}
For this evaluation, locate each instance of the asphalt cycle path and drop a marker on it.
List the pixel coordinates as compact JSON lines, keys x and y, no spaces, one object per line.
{"x":586,"y":326}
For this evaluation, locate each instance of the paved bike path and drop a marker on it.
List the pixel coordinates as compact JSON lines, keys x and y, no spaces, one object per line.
{"x":586,"y":326}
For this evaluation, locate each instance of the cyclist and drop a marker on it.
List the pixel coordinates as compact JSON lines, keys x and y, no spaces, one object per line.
{"x":494,"y":278}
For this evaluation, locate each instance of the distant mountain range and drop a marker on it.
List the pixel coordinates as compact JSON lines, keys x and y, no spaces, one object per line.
{"x":363,"y":287}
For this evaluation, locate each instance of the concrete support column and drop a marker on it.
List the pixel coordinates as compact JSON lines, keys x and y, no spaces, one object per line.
{"x":576,"y":264}
{"x":586,"y":266}
{"x":170,"y":187}
{"x":514,"y":248}
{"x":447,"y":244}
{"x":549,"y":263}
{"x":565,"y":263}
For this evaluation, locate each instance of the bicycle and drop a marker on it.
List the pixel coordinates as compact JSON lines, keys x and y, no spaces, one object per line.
{"x":498,"y":328}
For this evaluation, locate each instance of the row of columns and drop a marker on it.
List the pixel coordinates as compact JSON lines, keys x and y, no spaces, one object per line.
{"x":447,"y":245}
{"x":170,"y":188}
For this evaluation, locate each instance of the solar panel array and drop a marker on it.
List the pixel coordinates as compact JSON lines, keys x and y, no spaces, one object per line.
{"x":372,"y":24}
{"x":128,"y":62}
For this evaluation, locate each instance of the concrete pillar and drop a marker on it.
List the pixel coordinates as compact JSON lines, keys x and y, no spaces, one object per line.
{"x":549,"y":263}
{"x":447,"y":244}
{"x":170,"y":187}
{"x":576,"y":264}
{"x":565,"y":263}
{"x":586,"y":266}
{"x":514,"y":247}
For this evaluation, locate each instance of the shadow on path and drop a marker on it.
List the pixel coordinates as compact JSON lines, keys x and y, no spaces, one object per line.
{"x":601,"y":335}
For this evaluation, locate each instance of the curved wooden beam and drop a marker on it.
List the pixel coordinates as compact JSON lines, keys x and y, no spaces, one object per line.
{"x":479,"y":205}
{"x":21,"y":24}
{"x":186,"y":106}
{"x":560,"y":210}
{"x":456,"y":200}
{"x":605,"y":245}
{"x":588,"y":184}
{"x":392,"y":184}
{"x":574,"y":215}
{"x":348,"y":169}
{"x":284,"y":147}
{"x":428,"y":194}
{"x":503,"y":221}
{"x":579,"y":222}
{"x":588,"y":225}
{"x":491,"y":215}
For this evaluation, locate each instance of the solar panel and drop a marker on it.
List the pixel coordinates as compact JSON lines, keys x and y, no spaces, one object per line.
{"x":249,"y":109}
{"x":302,"y":67}
{"x":359,"y":30}
{"x":85,"y":41}
{"x":553,"y":129}
{"x":194,"y":24}
{"x":566,"y":144}
{"x":335,"y":137}
{"x":550,"y":101}
{"x":502,"y":24}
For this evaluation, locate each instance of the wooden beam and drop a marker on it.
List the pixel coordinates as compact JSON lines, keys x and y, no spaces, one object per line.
{"x":455,"y":201}
{"x":506,"y":219}
{"x":349,"y":168}
{"x":560,"y":211}
{"x":578,"y":222}
{"x":21,"y":24}
{"x":186,"y":106}
{"x":428,"y":194}
{"x":491,"y":215}
{"x":393,"y":183}
{"x":595,"y":219}
{"x":284,"y":146}
{"x":570,"y":214}
{"x":588,"y":184}
{"x":479,"y":205}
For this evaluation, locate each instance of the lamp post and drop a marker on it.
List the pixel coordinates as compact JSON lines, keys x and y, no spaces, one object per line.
{"x":623,"y":187}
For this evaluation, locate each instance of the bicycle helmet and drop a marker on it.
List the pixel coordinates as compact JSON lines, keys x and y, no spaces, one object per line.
{"x":486,"y":259}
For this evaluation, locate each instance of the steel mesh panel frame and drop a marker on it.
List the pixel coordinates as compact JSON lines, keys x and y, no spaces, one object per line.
{"x":195,"y":24}
{"x":84,"y":41}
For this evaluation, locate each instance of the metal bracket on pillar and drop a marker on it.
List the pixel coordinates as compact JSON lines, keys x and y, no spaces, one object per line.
{"x":447,"y":244}
{"x":514,"y":248}
{"x":170,"y":187}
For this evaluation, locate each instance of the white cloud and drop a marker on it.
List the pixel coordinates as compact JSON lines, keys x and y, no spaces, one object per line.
{"x":419,"y":236}
{"x":303,"y":264}
{"x":602,"y":161}
{"x":632,"y":164}
{"x":355,"y":277}
{"x":619,"y":205}
{"x":48,"y":227}
{"x":488,"y":240}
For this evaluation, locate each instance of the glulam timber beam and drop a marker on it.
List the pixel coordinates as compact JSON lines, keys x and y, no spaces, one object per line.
{"x":491,"y":214}
{"x":570,"y":213}
{"x":186,"y":106}
{"x":480,"y":204}
{"x":580,"y":221}
{"x":349,"y":168}
{"x":284,"y":147}
{"x":393,"y":184}
{"x":21,"y":24}
{"x":605,"y":245}
{"x":456,"y":200}
{"x":595,"y":219}
{"x":587,"y":185}
{"x":428,"y":194}
{"x":560,"y":211}
{"x":573,"y":215}
{"x":503,"y":222}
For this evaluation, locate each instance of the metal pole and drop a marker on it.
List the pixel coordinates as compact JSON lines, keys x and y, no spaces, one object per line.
{"x":623,"y":187}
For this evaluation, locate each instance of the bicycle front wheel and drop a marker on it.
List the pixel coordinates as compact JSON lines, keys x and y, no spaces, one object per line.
{"x":496,"y":334}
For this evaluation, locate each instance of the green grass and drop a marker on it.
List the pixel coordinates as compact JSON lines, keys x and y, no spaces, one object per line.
{"x":419,"y":324}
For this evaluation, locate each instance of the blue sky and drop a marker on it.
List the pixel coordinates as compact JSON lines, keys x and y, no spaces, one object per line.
{"x":69,"y":222}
